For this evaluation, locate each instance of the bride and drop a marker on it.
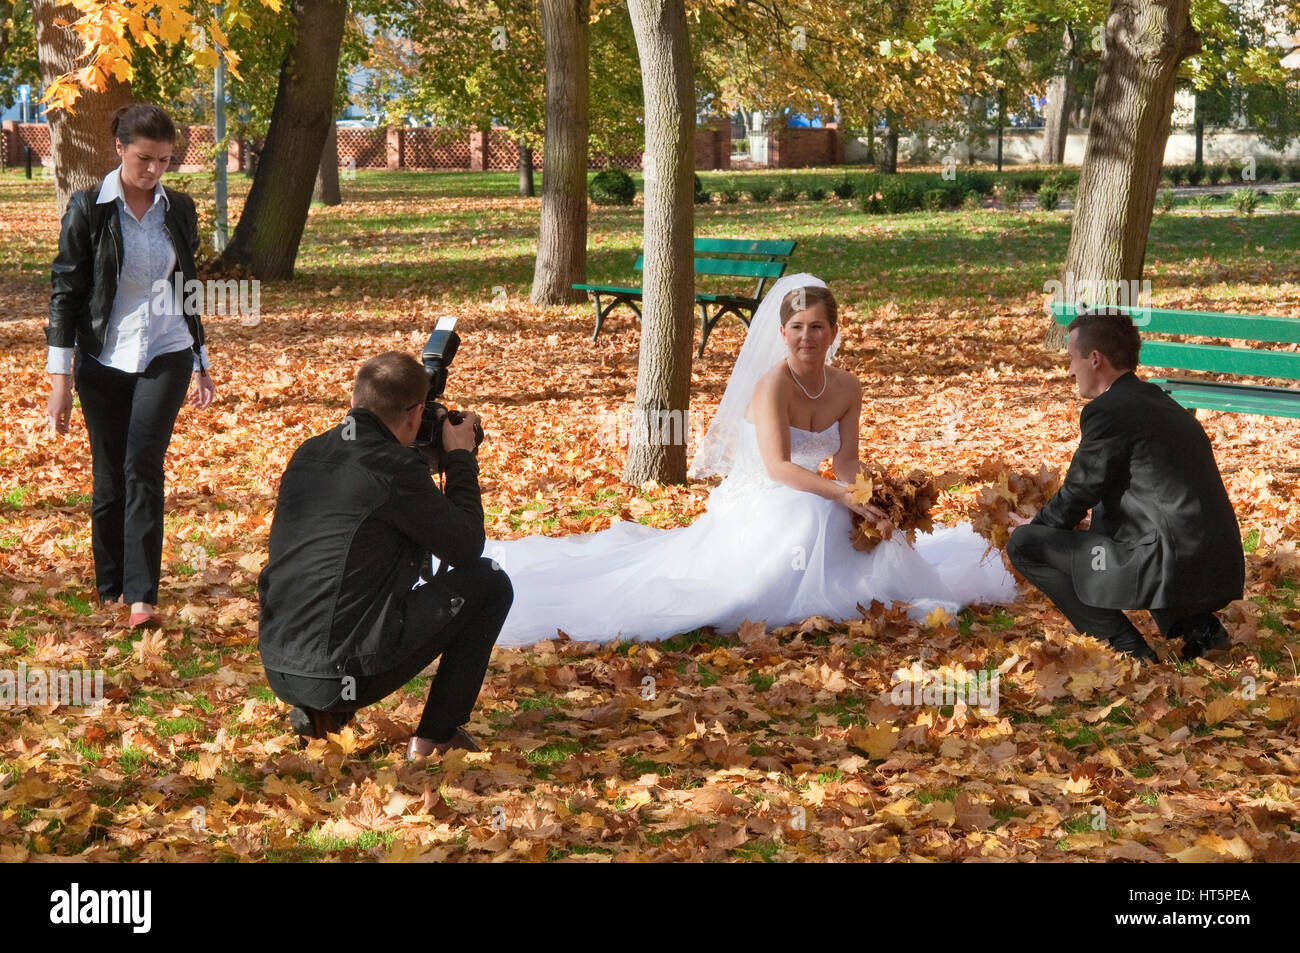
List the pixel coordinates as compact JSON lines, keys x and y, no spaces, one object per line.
{"x":774,"y":543}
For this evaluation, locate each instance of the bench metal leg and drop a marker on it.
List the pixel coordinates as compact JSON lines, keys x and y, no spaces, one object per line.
{"x":600,"y":318}
{"x":707,"y":322}
{"x":603,"y":313}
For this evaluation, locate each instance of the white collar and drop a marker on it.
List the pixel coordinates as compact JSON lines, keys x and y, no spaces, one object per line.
{"x":112,"y":189}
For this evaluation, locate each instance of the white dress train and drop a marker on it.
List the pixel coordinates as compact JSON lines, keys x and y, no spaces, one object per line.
{"x":762,"y":551}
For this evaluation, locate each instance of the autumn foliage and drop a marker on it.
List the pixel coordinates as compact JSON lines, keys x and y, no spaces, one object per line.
{"x":759,"y":744}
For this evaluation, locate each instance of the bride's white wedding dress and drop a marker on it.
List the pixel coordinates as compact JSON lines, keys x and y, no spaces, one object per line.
{"x":762,"y":551}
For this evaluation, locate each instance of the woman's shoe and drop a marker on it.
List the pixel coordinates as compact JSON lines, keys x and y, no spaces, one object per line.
{"x":145,"y":620}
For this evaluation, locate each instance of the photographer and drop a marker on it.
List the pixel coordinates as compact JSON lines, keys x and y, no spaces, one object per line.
{"x":343,"y":621}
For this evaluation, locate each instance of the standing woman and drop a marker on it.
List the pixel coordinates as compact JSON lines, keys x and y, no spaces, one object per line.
{"x":123,"y":246}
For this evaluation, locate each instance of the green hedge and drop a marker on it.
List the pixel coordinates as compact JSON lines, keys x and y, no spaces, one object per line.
{"x":612,"y":187}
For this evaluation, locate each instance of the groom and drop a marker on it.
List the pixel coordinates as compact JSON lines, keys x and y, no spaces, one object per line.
{"x":1163,"y":535}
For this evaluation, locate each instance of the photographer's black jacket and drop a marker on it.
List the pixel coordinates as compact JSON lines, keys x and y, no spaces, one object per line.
{"x":354,"y":522}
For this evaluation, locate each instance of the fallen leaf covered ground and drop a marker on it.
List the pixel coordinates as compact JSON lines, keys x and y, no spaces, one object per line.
{"x":773,"y":745}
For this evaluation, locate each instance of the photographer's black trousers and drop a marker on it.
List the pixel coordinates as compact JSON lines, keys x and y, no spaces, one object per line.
{"x":1045,"y":556}
{"x":464,"y":644}
{"x":129,"y":419}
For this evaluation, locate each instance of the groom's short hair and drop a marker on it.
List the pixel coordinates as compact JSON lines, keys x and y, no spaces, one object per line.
{"x":1112,"y":333}
{"x":801,"y":299}
{"x":390,"y":385}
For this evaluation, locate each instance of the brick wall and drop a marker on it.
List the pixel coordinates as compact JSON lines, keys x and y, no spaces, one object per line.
{"x":388,"y":148}
{"x":791,"y":148}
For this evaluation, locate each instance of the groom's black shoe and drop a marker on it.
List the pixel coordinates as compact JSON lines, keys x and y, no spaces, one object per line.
{"x":1133,"y":644}
{"x":1210,"y":637}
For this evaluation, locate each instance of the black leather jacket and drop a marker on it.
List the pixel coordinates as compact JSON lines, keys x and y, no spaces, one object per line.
{"x":84,"y":275}
{"x":356,"y":518}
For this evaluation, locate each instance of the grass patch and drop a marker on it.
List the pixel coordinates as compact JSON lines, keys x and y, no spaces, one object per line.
{"x":764,"y":850}
{"x":131,"y":759}
{"x":74,"y":602}
{"x":181,"y":725}
{"x":17,"y":496}
{"x":553,"y":752}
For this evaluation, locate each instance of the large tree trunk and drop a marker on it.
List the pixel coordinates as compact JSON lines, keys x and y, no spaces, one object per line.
{"x":327,"y":176}
{"x":1127,"y":132}
{"x":661,"y":415}
{"x":526,"y":189}
{"x":1060,"y":93}
{"x":562,"y":242}
{"x":81,"y":143}
{"x":270,"y":228}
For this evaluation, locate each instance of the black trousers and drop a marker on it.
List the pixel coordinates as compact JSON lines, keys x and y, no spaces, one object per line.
{"x":464,"y":643}
{"x":1044,"y":555}
{"x":129,"y":418}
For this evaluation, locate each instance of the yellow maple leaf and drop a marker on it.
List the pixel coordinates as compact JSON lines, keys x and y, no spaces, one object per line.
{"x":1225,"y":706}
{"x":937,"y":618}
{"x":876,"y":740}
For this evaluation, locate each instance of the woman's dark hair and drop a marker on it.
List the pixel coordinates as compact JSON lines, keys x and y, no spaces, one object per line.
{"x":143,"y":121}
{"x":801,"y":299}
{"x":1112,"y":333}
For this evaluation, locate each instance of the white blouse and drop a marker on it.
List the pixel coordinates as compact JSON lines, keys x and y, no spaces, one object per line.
{"x":144,"y":322}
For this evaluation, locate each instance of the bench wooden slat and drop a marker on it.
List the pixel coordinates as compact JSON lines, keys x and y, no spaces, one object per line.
{"x":1215,"y":359}
{"x":1214,"y":324}
{"x":733,"y":267}
{"x":608,"y":289}
{"x":1238,"y":398}
{"x":734,"y":246}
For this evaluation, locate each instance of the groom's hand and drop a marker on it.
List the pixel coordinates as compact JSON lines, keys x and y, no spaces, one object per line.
{"x":1017,"y":521}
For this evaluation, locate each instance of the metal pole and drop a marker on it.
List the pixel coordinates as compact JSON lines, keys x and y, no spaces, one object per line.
{"x":220,"y":237}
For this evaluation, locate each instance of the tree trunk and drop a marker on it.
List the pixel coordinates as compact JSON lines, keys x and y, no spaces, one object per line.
{"x":562,"y":242}
{"x":270,"y":228}
{"x":1060,"y":92}
{"x":81,"y":143}
{"x":889,"y":161}
{"x":1128,"y":129}
{"x":526,"y":189}
{"x":327,"y":176}
{"x":1200,"y":131}
{"x":1002,"y":120}
{"x":661,"y":414}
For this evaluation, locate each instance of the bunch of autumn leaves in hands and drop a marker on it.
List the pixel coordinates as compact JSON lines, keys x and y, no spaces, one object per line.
{"x":1007,"y":499}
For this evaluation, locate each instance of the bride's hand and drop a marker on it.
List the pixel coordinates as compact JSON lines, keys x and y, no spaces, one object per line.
{"x":865,"y":510}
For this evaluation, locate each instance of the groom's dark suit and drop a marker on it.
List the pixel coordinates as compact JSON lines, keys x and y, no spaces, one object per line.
{"x":1163,"y":535}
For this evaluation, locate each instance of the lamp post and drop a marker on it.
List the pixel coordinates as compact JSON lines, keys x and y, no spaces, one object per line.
{"x":220,"y":236}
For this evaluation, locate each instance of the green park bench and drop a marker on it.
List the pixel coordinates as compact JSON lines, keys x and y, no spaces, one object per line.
{"x":1216,"y":359}
{"x":762,"y":261}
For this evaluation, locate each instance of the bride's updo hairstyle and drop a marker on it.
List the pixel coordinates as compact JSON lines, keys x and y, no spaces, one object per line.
{"x":801,"y":299}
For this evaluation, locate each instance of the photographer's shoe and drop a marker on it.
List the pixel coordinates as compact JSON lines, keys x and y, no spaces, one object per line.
{"x":418,"y":747}
{"x":1213,"y":638}
{"x":312,"y":723}
{"x":1133,"y":644}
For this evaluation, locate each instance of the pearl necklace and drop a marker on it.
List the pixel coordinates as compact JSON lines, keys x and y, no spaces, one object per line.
{"x":801,"y":387}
